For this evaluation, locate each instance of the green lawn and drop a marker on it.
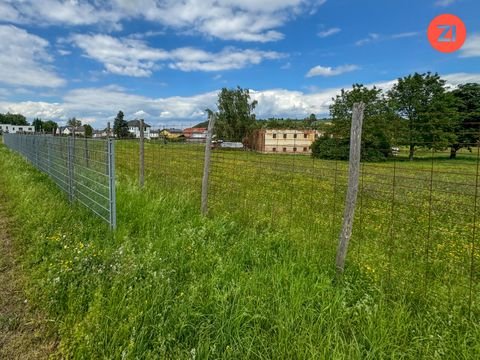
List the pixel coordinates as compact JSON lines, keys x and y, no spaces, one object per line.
{"x":254,"y":280}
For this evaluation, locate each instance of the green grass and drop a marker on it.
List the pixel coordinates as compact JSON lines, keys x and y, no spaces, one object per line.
{"x":254,"y":280}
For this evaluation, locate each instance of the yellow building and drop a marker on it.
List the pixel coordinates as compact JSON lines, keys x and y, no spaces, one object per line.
{"x":283,"y":140}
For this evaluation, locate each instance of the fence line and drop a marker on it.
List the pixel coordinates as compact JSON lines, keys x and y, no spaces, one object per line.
{"x":416,"y":221}
{"x":82,"y":168}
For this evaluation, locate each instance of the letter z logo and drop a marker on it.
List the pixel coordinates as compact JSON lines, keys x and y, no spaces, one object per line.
{"x":447,"y":33}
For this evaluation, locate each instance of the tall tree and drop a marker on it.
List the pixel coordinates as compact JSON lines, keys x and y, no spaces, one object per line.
{"x":37,"y":124}
{"x":428,"y":110}
{"x":468,"y":127}
{"x":378,"y":124}
{"x":50,"y":126}
{"x":13,"y":119}
{"x":120,"y":126}
{"x":74,"y":122}
{"x":235,"y":114}
{"x":88,"y":130}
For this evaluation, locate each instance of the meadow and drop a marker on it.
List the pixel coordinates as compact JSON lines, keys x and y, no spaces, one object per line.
{"x":254,"y":279}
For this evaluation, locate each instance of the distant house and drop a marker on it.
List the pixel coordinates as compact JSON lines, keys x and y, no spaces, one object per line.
{"x":154,"y":134}
{"x":69,"y":130}
{"x":171,"y":133}
{"x":283,"y":140}
{"x":134,"y":128}
{"x":100,"y":133}
{"x":13,"y":129}
{"x":195,"y":134}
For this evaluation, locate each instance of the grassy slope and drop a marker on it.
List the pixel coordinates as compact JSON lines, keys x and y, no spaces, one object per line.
{"x":170,"y":284}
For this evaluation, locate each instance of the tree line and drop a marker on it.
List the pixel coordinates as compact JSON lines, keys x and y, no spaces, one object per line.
{"x":419,"y":111}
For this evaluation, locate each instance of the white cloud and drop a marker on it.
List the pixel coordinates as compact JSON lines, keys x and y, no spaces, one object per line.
{"x":329,"y":32}
{"x":330,"y":71}
{"x":135,"y":58}
{"x":24,"y":59}
{"x":370,"y":38}
{"x":102,"y":104}
{"x":444,"y":3}
{"x":242,"y":20}
{"x":471,"y":48}
{"x":405,"y":35}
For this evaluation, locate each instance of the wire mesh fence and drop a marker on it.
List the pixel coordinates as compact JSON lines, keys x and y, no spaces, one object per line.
{"x":83,"y":168}
{"x":415,"y":224}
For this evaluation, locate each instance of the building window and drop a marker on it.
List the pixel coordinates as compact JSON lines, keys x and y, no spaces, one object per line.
{"x":305,"y":136}
{"x":305,"y":149}
{"x":274,"y":136}
{"x":294,"y":149}
{"x":274,"y":149}
{"x":20,"y":129}
{"x":294,"y":136}
{"x":284,"y":136}
{"x":284,"y":149}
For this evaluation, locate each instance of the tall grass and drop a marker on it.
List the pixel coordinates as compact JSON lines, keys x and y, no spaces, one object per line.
{"x":171,"y":284}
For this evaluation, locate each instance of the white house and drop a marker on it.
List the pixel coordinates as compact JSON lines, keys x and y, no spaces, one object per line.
{"x":13,"y":129}
{"x":68,"y":130}
{"x":134,"y":128}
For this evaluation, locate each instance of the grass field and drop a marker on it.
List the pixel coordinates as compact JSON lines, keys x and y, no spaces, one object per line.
{"x":254,"y":279}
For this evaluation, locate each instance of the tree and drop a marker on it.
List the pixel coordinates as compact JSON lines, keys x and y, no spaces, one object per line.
{"x":235,"y":119}
{"x":88,"y":130}
{"x":13,"y":119}
{"x":468,"y":126}
{"x":120,"y":126}
{"x":73,"y":122}
{"x":378,"y":126}
{"x":37,"y":124}
{"x":50,"y":126}
{"x":428,"y":110}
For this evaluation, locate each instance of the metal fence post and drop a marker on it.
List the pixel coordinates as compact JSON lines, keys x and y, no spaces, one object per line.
{"x":353,"y":175}
{"x":111,"y":178}
{"x":206,"y":164}
{"x":141,"y":178}
{"x":70,"y":168}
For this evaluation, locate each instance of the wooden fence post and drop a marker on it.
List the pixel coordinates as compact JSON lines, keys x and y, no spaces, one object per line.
{"x":352,"y":191}
{"x":206,"y":164}
{"x":142,"y":154}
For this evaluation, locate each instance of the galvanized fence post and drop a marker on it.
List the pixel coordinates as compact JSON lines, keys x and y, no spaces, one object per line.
{"x":352,"y":191}
{"x":70,"y":167}
{"x":206,"y":164}
{"x":111,"y":178}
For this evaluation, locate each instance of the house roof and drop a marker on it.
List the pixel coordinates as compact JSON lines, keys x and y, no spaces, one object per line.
{"x":136,"y":123}
{"x":173,"y":131}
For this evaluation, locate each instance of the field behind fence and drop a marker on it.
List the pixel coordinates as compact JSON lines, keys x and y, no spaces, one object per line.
{"x":415,"y":223}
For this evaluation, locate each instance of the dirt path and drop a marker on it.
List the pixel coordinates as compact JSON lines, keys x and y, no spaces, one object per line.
{"x":23,"y":333}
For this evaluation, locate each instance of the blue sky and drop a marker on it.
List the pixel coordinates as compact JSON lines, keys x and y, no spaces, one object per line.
{"x":166,"y":60}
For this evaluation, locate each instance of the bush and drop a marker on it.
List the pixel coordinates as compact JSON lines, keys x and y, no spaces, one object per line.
{"x":338,"y":149}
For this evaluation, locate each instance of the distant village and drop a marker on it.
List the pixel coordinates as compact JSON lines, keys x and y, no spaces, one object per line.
{"x":261,"y":140}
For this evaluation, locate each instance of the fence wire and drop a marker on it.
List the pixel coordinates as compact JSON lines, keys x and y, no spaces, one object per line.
{"x":415,"y":229}
{"x":83,"y":168}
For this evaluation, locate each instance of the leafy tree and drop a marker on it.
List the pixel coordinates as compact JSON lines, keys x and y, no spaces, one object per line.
{"x":235,"y":119}
{"x":50,"y":126}
{"x":74,"y":122}
{"x":120,"y":126}
{"x":37,"y":124}
{"x":88,"y":130}
{"x":378,"y":126}
{"x":428,"y":110}
{"x":468,"y":126}
{"x":13,"y":119}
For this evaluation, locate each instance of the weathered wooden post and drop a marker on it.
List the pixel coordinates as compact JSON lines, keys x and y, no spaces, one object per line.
{"x":352,"y":191}
{"x":142,"y":152}
{"x":206,"y":164}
